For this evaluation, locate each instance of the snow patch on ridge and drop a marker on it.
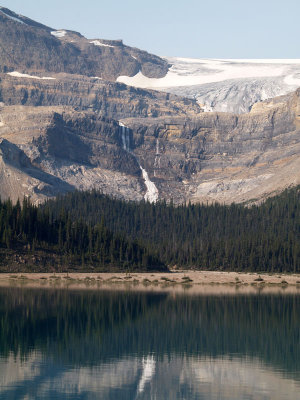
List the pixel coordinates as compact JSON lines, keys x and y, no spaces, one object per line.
{"x":98,"y":43}
{"x":19,"y":75}
{"x":59,"y":34}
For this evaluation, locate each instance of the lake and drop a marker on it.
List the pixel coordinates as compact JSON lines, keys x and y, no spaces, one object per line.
{"x":95,"y":344}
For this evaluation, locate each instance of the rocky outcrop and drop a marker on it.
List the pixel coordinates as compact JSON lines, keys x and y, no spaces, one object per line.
{"x":114,"y":100}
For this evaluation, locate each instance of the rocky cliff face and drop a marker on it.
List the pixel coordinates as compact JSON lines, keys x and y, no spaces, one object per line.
{"x":48,"y":150}
{"x":62,"y":129}
{"x":114,"y":100}
{"x":210,"y":157}
{"x":223,"y":157}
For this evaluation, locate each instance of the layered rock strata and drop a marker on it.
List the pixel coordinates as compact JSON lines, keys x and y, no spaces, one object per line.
{"x":208,"y":157}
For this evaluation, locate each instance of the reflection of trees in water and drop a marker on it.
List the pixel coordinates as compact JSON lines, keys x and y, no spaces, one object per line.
{"x":85,"y":328}
{"x":39,"y":319}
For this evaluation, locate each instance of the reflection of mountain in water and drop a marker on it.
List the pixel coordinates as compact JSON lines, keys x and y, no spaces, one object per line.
{"x":104,"y":342}
{"x":170,"y":377}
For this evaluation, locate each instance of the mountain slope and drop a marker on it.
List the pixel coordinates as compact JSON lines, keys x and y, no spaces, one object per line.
{"x":27,"y":46}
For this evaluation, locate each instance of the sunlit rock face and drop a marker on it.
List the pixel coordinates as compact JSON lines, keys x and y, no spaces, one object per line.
{"x":221,"y":156}
{"x":205,"y":157}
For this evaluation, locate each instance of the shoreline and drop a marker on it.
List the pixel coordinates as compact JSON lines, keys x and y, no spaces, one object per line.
{"x":193,"y":282}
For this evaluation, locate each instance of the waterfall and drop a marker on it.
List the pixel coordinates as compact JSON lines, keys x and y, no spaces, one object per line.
{"x":125,"y":137}
{"x":151,"y":194}
{"x":152,"y":191}
{"x":157,"y":147}
{"x":157,"y":156}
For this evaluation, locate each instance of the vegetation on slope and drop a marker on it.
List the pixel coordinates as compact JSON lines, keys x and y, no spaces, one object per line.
{"x":30,"y":239}
{"x":90,"y":231}
{"x":259,"y":238}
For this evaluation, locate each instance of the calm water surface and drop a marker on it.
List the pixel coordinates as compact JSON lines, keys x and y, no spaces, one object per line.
{"x":63,"y":344}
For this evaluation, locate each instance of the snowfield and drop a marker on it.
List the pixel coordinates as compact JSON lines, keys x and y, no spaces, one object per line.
{"x":17,"y":74}
{"x":230,"y":85}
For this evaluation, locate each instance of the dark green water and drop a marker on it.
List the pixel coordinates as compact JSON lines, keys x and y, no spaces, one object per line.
{"x":63,"y":344}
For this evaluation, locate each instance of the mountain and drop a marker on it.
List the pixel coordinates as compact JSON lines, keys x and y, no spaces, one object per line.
{"x":66,"y":123}
{"x":28,"y":45}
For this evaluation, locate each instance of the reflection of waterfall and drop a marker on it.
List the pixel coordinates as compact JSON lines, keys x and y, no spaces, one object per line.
{"x":151,"y":194}
{"x":148,"y":372}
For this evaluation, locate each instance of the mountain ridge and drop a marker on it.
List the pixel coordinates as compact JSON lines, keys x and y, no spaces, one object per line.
{"x":32,"y":47}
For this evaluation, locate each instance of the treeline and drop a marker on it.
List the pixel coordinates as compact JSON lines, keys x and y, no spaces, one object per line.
{"x":28,"y":229}
{"x":234,"y":237}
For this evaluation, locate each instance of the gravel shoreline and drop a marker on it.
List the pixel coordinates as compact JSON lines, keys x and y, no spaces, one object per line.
{"x":205,"y":282}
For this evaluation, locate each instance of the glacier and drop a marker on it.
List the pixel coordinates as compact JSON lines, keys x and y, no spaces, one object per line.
{"x":228,"y":85}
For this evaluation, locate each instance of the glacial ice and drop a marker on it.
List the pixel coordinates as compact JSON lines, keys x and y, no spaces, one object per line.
{"x":224,"y":85}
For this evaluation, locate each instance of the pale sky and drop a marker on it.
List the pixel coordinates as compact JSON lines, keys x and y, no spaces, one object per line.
{"x":186,"y":28}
